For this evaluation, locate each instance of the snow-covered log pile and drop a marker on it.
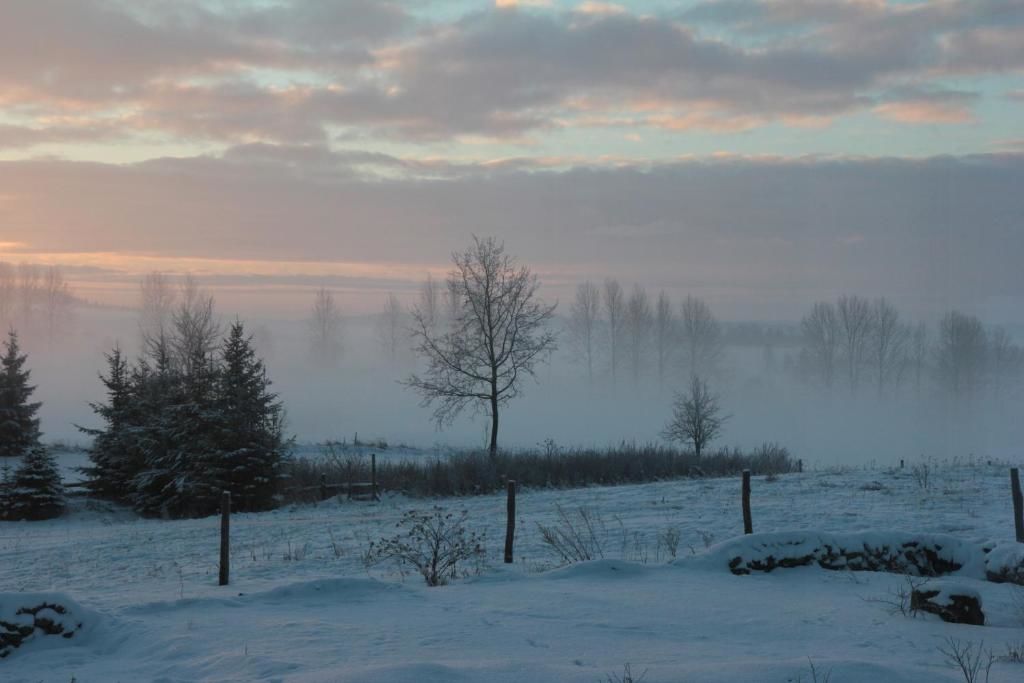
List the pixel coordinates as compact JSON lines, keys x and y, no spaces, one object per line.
{"x":25,"y":617}
{"x":895,"y":552}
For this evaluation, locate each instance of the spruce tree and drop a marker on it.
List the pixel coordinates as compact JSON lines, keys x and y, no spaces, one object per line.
{"x":114,"y":453}
{"x":35,"y":491}
{"x":249,"y":442}
{"x":19,"y":426}
{"x":6,"y":477}
{"x":157,"y":389}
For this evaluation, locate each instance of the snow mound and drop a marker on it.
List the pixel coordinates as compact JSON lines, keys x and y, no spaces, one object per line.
{"x":877,"y":551}
{"x":33,"y":620}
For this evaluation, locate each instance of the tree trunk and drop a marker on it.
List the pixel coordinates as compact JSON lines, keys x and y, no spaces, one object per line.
{"x":493,"y":450}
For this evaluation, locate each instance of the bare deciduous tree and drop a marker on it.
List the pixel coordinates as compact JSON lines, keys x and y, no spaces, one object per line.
{"x":696,"y":417}
{"x":157,"y":304}
{"x":1005,"y":361}
{"x":197,"y":331}
{"x":854,"y":315}
{"x":960,"y":354}
{"x":325,"y":328}
{"x":701,"y":337}
{"x":887,"y":344}
{"x":615,"y":310}
{"x":8,"y":294}
{"x":29,"y":279}
{"x":584,"y":317}
{"x":500,"y":331}
{"x":919,"y":353}
{"x":820,"y":330}
{"x":56,"y":300}
{"x":430,"y":301}
{"x":665,"y":331}
{"x":638,"y":329}
{"x":391,"y":327}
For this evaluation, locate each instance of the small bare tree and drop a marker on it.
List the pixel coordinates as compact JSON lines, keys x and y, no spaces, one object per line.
{"x":584,"y":317}
{"x":615,"y":310}
{"x":701,"y":337}
{"x":325,"y":328}
{"x":638,"y":329}
{"x":500,"y":331}
{"x":391,"y":327}
{"x":696,"y":417}
{"x":821,"y":341}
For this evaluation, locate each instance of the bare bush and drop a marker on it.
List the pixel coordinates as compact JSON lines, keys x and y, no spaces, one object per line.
{"x":435,"y":543}
{"x":922,"y":474}
{"x":626,"y":676}
{"x":817,"y":676}
{"x":669,"y":540}
{"x":973,"y":661}
{"x":577,"y":536}
{"x":898,"y":600}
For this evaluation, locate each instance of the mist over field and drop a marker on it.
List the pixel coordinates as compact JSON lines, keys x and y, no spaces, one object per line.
{"x":762,"y":389}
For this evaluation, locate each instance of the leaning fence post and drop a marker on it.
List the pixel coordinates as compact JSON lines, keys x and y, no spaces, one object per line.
{"x":225,"y":537}
{"x":1018,"y":504}
{"x":748,"y":525}
{"x":510,"y":529}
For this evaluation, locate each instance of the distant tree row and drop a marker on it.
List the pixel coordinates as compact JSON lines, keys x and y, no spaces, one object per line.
{"x":610,"y":332}
{"x":856,"y":342}
{"x":192,"y":417}
{"x":34,"y":297}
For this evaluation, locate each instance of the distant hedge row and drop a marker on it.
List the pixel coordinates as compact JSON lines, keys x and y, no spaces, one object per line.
{"x":469,"y":473}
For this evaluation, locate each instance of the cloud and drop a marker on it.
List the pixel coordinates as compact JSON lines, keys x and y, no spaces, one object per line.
{"x":299,"y":72}
{"x":940,"y":230}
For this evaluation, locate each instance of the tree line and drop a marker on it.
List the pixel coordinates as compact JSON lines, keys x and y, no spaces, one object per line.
{"x":855,"y":342}
{"x":34,"y":297}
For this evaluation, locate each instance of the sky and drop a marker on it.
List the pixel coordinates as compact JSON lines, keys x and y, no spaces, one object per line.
{"x":761,"y":154}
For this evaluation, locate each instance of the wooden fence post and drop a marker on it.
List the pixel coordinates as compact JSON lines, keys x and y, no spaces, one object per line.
{"x":510,"y":529}
{"x":1018,"y":505}
{"x":373,"y":476}
{"x":323,"y":486}
{"x":800,"y":465}
{"x":748,"y":524}
{"x":225,"y":538}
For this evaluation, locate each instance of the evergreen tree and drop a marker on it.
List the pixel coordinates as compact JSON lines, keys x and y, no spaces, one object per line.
{"x":157,"y":486}
{"x":114,"y":455}
{"x":35,"y":491}
{"x":180,"y":430}
{"x":6,"y":476}
{"x":19,"y":426}
{"x":249,"y":442}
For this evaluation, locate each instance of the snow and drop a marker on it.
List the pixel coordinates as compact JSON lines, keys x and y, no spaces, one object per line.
{"x":301,"y":606}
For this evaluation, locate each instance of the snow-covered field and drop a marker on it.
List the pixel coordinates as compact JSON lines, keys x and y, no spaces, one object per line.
{"x":302,"y":607}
